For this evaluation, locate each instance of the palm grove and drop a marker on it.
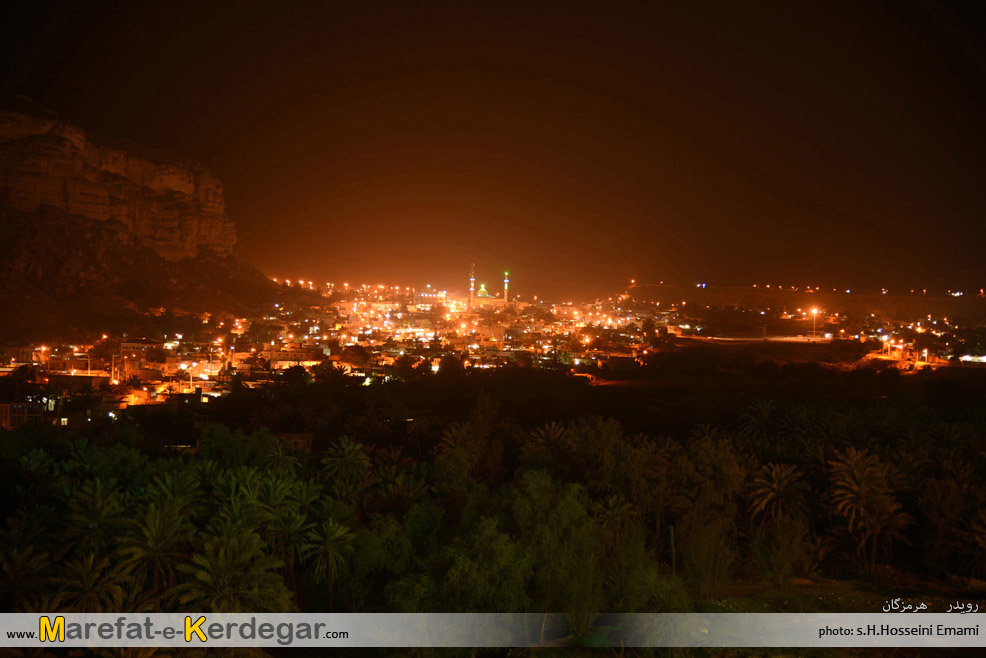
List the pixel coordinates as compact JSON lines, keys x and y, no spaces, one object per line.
{"x":514,"y":491}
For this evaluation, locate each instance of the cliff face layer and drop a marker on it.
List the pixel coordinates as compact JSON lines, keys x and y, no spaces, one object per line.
{"x":64,"y":276}
{"x":96,"y":238}
{"x":177,"y":210}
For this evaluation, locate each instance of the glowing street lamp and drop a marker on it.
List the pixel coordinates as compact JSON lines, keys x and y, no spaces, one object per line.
{"x":814,"y":316}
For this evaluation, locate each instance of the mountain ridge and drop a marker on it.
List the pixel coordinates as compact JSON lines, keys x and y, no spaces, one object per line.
{"x":99,"y":239}
{"x":175,"y":208}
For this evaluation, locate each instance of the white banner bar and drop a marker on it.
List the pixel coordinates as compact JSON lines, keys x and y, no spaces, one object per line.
{"x":492,"y":630}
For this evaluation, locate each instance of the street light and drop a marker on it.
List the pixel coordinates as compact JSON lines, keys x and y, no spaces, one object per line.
{"x":814,"y":316}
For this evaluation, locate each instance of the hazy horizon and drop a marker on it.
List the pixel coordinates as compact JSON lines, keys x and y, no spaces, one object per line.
{"x":577,"y":146}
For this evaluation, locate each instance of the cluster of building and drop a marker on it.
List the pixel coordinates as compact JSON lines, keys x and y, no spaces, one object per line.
{"x":379,"y":332}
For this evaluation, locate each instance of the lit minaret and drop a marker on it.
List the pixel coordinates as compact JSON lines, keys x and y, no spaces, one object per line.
{"x":472,"y":284}
{"x":506,"y":286}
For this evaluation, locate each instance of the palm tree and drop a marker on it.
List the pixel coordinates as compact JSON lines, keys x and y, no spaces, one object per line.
{"x":232,"y":573}
{"x":705,"y":433}
{"x":777,"y":491}
{"x":552,"y":435}
{"x":237,"y":382}
{"x":177,"y":487}
{"x":21,"y":571}
{"x":328,"y":546}
{"x":305,"y":493}
{"x":94,"y":517}
{"x":955,"y":465}
{"x":402,"y":490}
{"x":391,"y":456}
{"x":457,"y":436}
{"x":858,"y":481}
{"x":614,"y":515}
{"x":132,"y":597}
{"x":39,"y":470}
{"x":862,"y":495}
{"x":884,"y":527}
{"x":799,"y":423}
{"x":241,"y":482}
{"x":84,"y":457}
{"x":91,"y":584}
{"x":416,"y":430}
{"x":281,"y":458}
{"x":155,"y":545}
{"x":347,"y":463}
{"x":205,"y":471}
{"x":41,"y":601}
{"x":758,"y":419}
{"x":288,"y":533}
{"x":244,"y":512}
{"x":276,"y":494}
{"x":943,"y":508}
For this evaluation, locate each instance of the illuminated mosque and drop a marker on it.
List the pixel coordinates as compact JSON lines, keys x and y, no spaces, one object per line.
{"x":482,"y":298}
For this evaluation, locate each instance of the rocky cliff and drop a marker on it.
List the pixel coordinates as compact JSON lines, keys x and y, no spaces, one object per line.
{"x":97,"y":238}
{"x":175,"y":209}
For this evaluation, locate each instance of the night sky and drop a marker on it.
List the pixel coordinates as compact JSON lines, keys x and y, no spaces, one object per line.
{"x":576,"y":144}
